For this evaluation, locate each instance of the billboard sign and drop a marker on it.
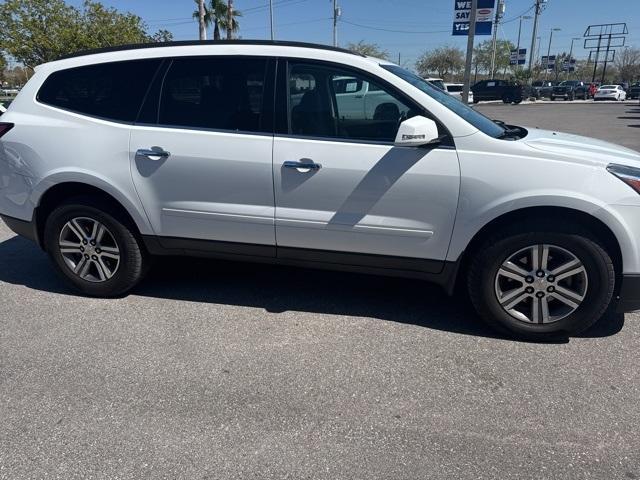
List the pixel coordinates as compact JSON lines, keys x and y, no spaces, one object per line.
{"x":484,"y":17}
{"x":518,"y":57}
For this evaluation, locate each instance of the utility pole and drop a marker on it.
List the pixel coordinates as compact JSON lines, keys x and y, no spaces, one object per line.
{"x":538,"y":7}
{"x":271,"y":18}
{"x":496,"y":22}
{"x":201,"y":24}
{"x":470,"y":38}
{"x":336,"y":15}
{"x":229,"y":19}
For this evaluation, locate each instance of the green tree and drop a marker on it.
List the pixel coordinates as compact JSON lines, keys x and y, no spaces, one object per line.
{"x":483,"y":54}
{"x":162,"y":36}
{"x":444,"y":61}
{"x":368,"y":49}
{"x":38,"y":31}
{"x":216,"y":16}
{"x":627,"y":62}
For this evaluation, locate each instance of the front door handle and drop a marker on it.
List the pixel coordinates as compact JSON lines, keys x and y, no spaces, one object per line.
{"x":302,"y":167}
{"x":153,"y":153}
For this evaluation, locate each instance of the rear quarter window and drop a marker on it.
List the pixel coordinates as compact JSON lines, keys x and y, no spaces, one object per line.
{"x":113,"y":91}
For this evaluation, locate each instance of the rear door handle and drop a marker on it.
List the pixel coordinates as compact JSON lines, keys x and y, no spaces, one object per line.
{"x":302,"y":166}
{"x":153,"y":153}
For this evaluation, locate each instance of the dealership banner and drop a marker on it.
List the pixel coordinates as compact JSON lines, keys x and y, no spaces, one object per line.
{"x":484,"y":17}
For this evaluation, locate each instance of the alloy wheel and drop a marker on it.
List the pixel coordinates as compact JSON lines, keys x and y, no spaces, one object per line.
{"x":541,"y":284}
{"x":89,"y":249}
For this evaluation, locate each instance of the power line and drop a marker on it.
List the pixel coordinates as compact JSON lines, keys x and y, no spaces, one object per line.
{"x":392,"y":31}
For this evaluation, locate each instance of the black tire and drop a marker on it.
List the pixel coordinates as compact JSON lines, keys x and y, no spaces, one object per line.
{"x":475,"y":100}
{"x":133,"y":263}
{"x":490,"y":256}
{"x":571,"y":97}
{"x":552,"y":98}
{"x":507,"y":99}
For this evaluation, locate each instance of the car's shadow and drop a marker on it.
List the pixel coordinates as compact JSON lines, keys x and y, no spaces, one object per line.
{"x":279,"y":289}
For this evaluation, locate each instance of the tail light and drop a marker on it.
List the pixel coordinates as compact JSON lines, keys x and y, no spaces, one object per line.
{"x":5,"y":127}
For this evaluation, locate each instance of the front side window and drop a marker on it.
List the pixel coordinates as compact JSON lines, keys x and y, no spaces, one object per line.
{"x":222,"y":93}
{"x":475,"y":118}
{"x":113,"y":91}
{"x":328,"y":102}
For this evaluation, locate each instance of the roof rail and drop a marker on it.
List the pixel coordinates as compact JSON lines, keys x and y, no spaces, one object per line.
{"x":183,"y":43}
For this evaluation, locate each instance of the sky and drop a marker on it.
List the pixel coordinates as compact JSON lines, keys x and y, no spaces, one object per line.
{"x":401,"y":27}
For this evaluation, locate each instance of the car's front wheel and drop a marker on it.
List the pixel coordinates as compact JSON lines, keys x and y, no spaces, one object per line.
{"x":94,"y":247}
{"x":542,"y":283}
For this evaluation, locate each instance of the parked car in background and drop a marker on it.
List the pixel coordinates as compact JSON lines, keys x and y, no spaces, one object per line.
{"x":634,"y":91}
{"x":570,"y":90}
{"x":508,"y":92}
{"x":2,"y":108}
{"x":437,"y":82}
{"x":543,"y":88}
{"x":240,"y":150}
{"x":455,"y":90}
{"x":610,"y":92}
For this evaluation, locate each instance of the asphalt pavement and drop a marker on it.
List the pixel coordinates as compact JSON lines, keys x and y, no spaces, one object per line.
{"x":214,"y":370}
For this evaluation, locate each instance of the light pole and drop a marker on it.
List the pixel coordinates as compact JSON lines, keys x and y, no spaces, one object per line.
{"x":524,"y":17}
{"x":546,"y":70}
{"x":539,"y":6}
{"x":571,"y":53}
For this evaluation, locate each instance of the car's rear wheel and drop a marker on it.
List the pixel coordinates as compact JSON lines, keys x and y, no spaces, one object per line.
{"x":94,"y":248}
{"x":543,"y":283}
{"x":552,"y":98}
{"x":507,"y":98}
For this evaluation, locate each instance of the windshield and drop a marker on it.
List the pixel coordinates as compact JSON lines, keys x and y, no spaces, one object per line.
{"x":608,"y":87}
{"x":482,"y":123}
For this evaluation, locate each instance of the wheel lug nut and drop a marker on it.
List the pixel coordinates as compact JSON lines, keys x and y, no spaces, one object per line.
{"x":551,"y":289}
{"x":98,"y":250}
{"x":86,"y":256}
{"x":540,"y":273}
{"x":94,"y":257}
{"x":93,"y":242}
{"x":528,"y":279}
{"x":529,"y":290}
{"x":82,"y":249}
{"x":551,"y":278}
{"x":540,"y":294}
{"x":84,"y":242}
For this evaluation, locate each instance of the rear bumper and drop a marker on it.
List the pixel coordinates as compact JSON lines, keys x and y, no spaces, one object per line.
{"x":23,"y":228}
{"x":629,"y":296}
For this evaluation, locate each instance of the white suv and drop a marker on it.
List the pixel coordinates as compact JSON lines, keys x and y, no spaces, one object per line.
{"x":242,"y":150}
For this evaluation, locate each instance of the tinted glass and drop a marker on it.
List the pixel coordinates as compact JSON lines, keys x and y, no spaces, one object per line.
{"x":476,"y":119}
{"x":108,"y":90}
{"x":329,"y":102}
{"x":224,"y":93}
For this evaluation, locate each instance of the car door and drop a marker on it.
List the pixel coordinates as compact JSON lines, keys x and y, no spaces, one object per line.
{"x":201,"y":153}
{"x":341,"y":187}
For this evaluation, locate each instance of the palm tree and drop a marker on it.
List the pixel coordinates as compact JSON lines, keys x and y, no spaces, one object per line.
{"x":216,"y":15}
{"x":200,"y":15}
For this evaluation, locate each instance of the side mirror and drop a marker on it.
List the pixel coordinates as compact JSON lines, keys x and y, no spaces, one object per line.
{"x":416,"y":131}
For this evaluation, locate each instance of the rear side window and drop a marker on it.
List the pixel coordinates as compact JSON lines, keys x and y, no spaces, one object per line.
{"x":222,"y":93}
{"x":113,"y":91}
